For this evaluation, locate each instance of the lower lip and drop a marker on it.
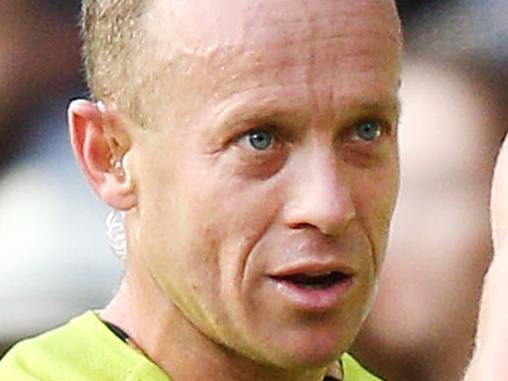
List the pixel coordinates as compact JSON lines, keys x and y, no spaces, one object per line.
{"x":314,"y":299}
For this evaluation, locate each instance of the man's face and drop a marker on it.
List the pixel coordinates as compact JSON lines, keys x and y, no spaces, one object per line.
{"x":268,"y":177}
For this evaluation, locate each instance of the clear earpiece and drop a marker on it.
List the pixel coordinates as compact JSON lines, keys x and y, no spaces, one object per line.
{"x":116,"y":233}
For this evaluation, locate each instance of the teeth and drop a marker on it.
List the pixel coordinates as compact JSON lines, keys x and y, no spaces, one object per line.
{"x":319,"y":274}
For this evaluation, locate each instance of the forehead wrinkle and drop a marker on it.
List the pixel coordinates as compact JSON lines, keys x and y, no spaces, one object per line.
{"x":288,"y":61}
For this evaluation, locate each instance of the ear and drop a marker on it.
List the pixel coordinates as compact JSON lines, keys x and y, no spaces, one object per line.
{"x":101,"y":143}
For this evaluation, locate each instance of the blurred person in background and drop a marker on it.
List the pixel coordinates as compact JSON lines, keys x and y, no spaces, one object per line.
{"x":454,"y":115}
{"x":423,"y":321}
{"x":53,"y":261}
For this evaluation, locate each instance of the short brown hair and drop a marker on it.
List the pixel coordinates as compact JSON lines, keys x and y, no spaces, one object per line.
{"x":111,"y":33}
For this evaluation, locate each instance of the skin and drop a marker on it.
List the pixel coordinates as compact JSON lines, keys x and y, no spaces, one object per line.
{"x":491,"y":351}
{"x":210,"y":219}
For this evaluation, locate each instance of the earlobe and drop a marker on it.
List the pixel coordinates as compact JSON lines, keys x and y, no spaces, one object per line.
{"x":101,"y":145}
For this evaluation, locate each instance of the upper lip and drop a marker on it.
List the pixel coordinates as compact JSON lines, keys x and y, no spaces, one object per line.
{"x":311,"y":268}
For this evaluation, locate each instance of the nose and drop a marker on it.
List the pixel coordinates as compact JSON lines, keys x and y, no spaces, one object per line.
{"x":320,"y":195}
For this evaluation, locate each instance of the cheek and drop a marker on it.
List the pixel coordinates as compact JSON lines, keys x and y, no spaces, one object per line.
{"x":245,"y":214}
{"x":374,"y":196}
{"x":209,"y":230}
{"x":178,"y":235}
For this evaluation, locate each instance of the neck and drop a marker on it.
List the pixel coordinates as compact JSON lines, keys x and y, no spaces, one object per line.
{"x":171,"y":341}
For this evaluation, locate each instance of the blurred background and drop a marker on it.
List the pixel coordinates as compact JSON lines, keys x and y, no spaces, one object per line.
{"x":54,"y":257}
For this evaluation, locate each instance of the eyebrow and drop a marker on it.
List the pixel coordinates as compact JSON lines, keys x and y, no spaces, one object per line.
{"x":391,"y":104}
{"x":277,"y":108}
{"x":266,"y":107}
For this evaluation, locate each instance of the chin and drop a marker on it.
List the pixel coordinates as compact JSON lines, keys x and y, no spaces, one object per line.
{"x":308,"y":359}
{"x":313,"y":352}
{"x":319,"y":359}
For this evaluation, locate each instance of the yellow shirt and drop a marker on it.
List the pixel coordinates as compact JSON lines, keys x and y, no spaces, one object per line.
{"x":86,"y":350}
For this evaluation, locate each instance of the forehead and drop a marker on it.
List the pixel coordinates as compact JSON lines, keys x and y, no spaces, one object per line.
{"x":206,"y":23}
{"x":242,"y":47}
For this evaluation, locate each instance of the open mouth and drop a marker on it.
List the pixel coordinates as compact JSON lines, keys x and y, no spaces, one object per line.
{"x":315,"y":281}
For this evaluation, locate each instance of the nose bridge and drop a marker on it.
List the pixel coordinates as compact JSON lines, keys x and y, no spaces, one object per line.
{"x":320,"y":194}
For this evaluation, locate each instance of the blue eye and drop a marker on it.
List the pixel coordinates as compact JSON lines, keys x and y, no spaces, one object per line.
{"x":260,"y":140}
{"x":369,"y":131}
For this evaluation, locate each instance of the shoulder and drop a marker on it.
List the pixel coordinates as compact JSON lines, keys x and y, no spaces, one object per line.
{"x":63,"y":353}
{"x":82,"y":350}
{"x":48,"y":356}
